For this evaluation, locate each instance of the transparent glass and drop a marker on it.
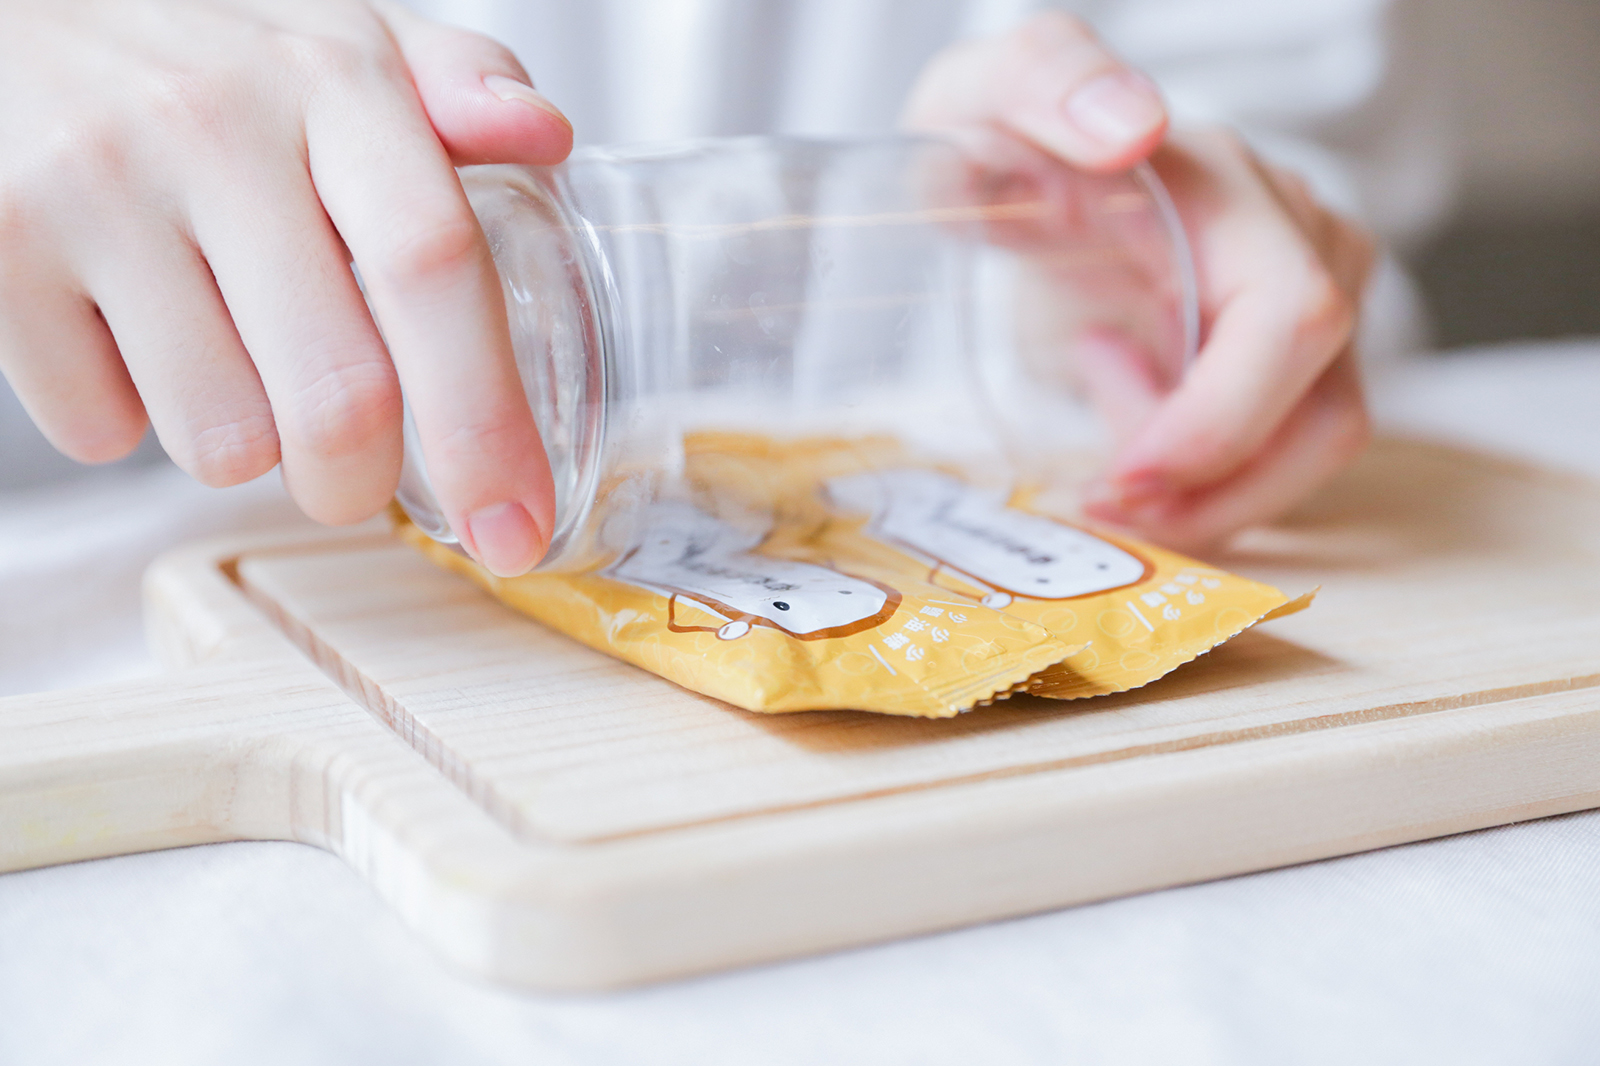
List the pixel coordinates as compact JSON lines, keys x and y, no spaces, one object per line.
{"x":946,"y":296}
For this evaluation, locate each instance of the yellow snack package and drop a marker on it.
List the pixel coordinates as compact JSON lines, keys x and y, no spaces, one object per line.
{"x":1135,"y":611}
{"x":697,"y":602}
{"x":870,"y":583}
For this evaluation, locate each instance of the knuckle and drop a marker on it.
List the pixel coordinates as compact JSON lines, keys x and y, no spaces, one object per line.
{"x":431,"y":248}
{"x":325,"y":59}
{"x":343,"y":409}
{"x":204,"y":106}
{"x":223,"y":98}
{"x":229,"y":451}
{"x":81,"y":156}
{"x":1327,"y":311}
{"x":486,"y":436}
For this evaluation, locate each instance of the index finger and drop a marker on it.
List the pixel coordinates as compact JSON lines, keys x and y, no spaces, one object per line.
{"x":1050,"y":80}
{"x":392,"y":193}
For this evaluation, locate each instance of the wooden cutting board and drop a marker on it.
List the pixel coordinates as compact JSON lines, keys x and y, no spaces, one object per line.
{"x":547,"y":816}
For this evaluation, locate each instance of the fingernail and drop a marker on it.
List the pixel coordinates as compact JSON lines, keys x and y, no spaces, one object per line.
{"x":509,"y":90}
{"x":505,"y":539}
{"x":1117,"y":108}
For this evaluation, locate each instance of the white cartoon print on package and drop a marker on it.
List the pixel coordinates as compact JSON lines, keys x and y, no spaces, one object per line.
{"x":684,"y":552}
{"x":972,"y":532}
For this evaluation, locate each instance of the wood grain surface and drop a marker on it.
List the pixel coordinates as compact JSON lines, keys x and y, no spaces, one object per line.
{"x":547,"y":815}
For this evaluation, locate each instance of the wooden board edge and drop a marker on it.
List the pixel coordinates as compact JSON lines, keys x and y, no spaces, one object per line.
{"x":808,"y":882}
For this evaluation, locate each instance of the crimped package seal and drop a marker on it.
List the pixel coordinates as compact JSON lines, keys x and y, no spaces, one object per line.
{"x":1136,"y":611}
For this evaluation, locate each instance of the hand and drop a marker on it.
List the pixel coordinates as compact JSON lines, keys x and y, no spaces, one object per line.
{"x":183,"y":185}
{"x":1273,"y":406}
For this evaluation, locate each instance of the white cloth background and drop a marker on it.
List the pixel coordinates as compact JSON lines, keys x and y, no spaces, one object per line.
{"x":1482,"y":948}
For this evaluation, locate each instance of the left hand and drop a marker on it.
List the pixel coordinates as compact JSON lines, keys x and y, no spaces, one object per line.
{"x":1273,"y":406}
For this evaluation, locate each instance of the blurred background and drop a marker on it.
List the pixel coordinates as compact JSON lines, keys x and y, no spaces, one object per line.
{"x":1520,"y":255}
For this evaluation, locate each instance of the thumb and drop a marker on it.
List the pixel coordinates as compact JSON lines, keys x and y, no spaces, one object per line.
{"x":481,"y":102}
{"x":1053,"y":82}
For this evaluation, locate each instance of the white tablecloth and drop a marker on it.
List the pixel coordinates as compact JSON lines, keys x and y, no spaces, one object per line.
{"x":1482,"y":948}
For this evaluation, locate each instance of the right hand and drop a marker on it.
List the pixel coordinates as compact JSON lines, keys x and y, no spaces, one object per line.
{"x":1273,"y":406}
{"x":183,"y":186}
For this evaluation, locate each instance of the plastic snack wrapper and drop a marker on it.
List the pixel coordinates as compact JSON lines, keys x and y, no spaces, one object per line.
{"x":1134,"y":611}
{"x":840,"y":574}
{"x":697,"y":602}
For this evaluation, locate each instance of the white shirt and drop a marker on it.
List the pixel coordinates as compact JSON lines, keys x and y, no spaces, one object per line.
{"x":1338,"y":89}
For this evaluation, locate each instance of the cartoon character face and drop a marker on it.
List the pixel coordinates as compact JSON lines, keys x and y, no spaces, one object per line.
{"x":975,"y":533}
{"x":685,"y":552}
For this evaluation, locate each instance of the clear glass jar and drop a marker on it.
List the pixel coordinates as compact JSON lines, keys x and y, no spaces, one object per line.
{"x":793,"y":287}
